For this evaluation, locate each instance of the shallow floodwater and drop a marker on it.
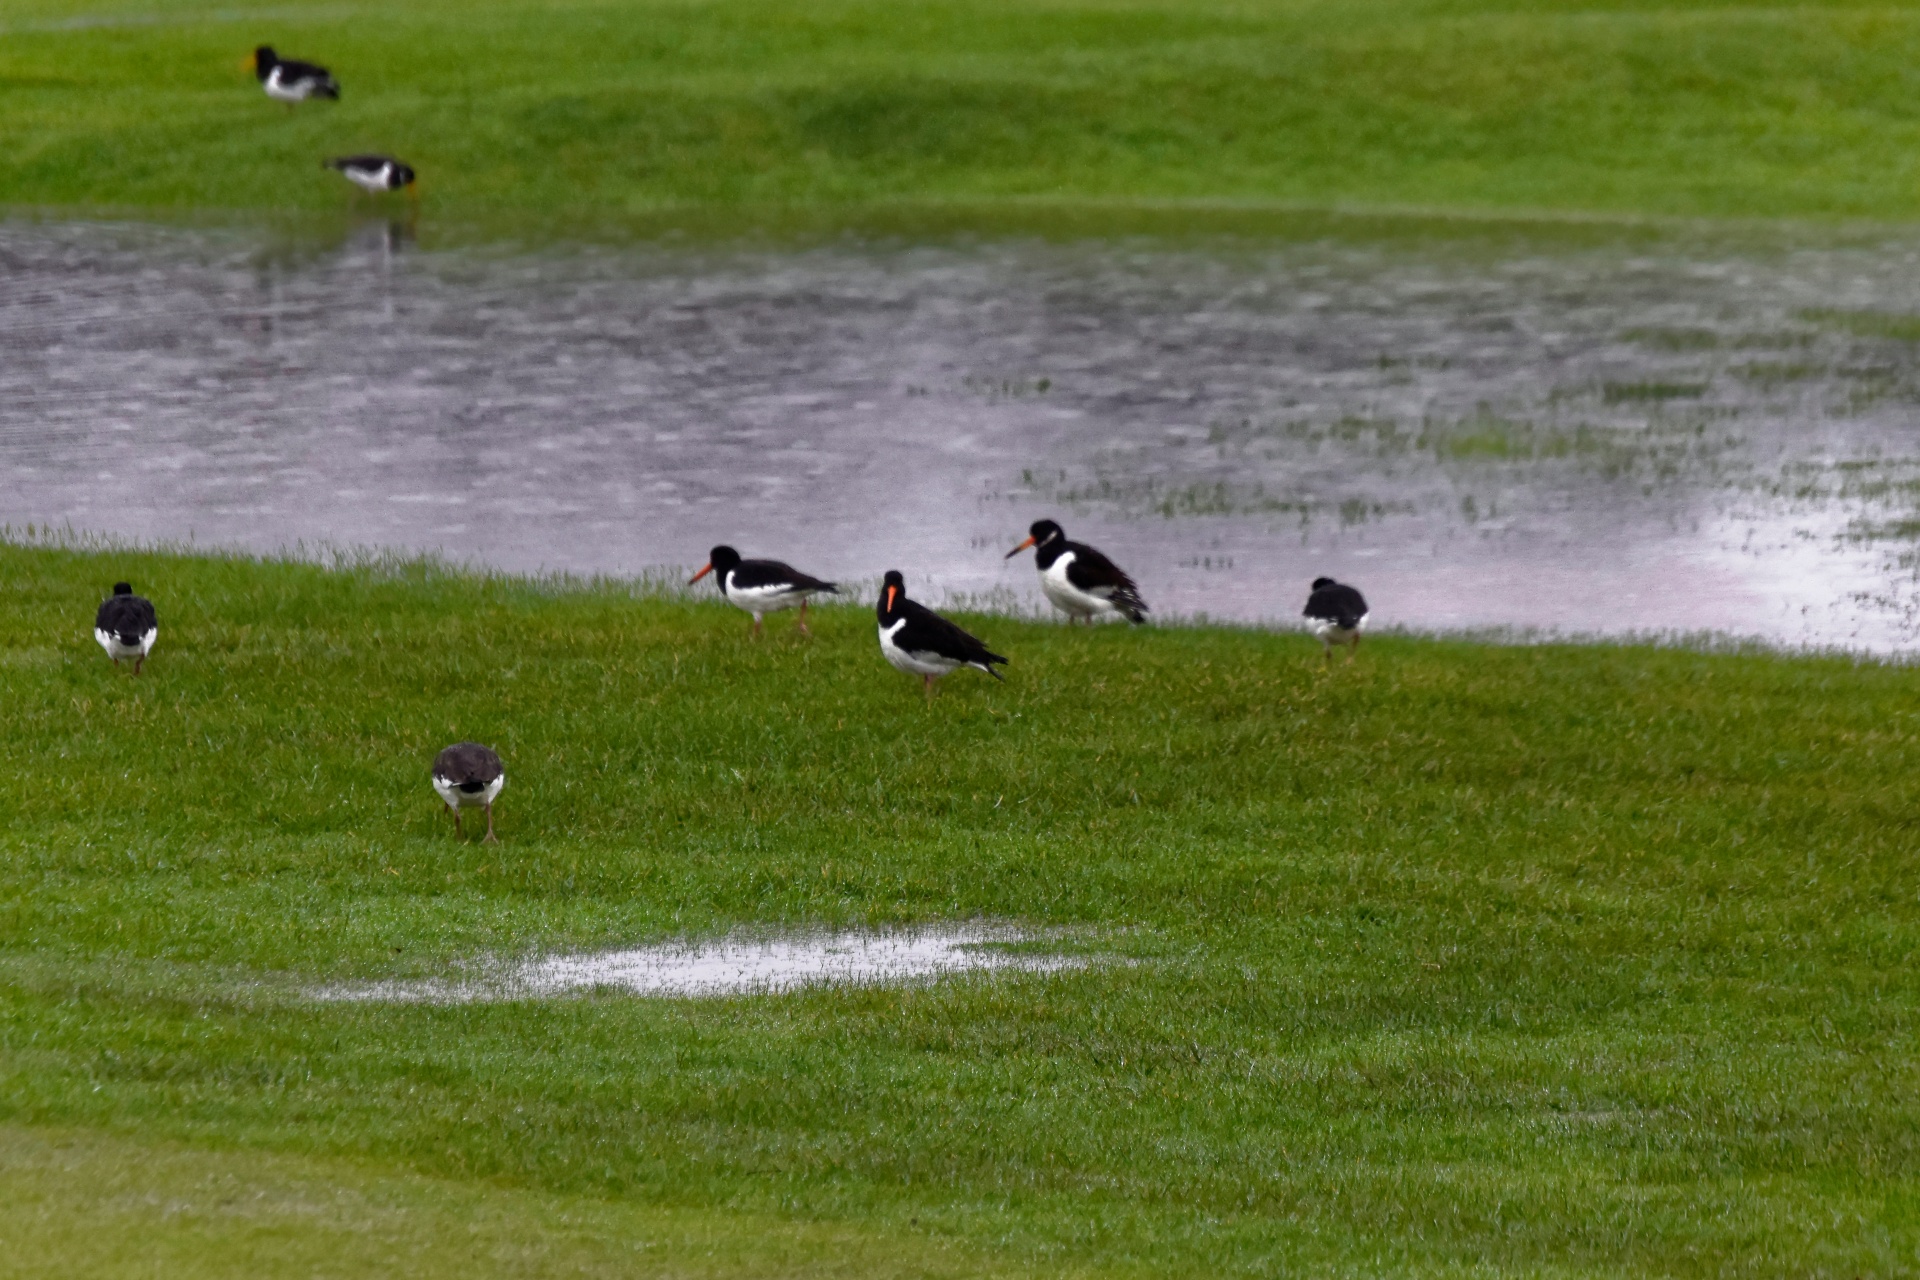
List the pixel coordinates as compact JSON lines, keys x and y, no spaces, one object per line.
{"x":1628,"y":437}
{"x":735,"y":965}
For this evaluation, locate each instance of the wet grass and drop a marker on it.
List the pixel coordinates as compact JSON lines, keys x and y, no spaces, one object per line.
{"x":615,"y":109}
{"x":1586,"y":960}
{"x":1637,"y":392}
{"x":1867,"y":324}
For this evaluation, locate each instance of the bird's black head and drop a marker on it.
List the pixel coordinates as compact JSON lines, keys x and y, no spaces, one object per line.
{"x":1039,"y":534}
{"x":123,"y":588}
{"x":402,"y":174}
{"x":263,"y":59}
{"x":719,"y":560}
{"x":893,"y":590}
{"x":1318,"y":583}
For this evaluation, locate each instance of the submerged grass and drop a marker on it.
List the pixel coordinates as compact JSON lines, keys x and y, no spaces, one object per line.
{"x":1465,"y":959}
{"x":610,"y":108}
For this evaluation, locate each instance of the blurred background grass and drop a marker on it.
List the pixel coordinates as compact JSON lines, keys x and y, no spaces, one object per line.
{"x":514,"y":108}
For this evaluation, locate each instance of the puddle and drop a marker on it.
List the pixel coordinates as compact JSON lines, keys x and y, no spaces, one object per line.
{"x":740,"y":964}
{"x":1637,"y":438}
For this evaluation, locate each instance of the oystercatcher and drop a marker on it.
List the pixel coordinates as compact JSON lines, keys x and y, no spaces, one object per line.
{"x":468,"y":776}
{"x":1338,"y":614}
{"x":920,"y":642}
{"x":1080,"y":581}
{"x":374,"y":174}
{"x":125,"y":626}
{"x":287,"y":81}
{"x":762,"y":587}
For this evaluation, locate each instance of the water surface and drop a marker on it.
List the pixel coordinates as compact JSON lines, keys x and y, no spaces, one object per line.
{"x":1614,"y":437}
{"x":735,"y":965}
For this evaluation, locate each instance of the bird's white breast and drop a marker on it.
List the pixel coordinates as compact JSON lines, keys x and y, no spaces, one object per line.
{"x":759,"y":600}
{"x":369,"y":179}
{"x":453,"y":795}
{"x":283,"y":90}
{"x":111,"y":643}
{"x":1056,"y":586}
{"x":1328,"y":629}
{"x":919,"y":664}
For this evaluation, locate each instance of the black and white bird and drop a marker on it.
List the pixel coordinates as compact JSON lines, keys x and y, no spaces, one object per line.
{"x":469,"y":776}
{"x":920,"y":642}
{"x":1080,"y":581}
{"x":125,"y":626}
{"x":374,"y":174}
{"x":762,"y":587}
{"x":1337,"y":614}
{"x":288,"y":81}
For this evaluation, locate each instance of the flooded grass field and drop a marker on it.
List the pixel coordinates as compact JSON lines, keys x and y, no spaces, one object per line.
{"x":1607,"y":435}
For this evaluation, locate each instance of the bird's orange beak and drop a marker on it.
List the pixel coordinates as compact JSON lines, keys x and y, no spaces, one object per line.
{"x":250,"y":63}
{"x":891,"y":593}
{"x":1017,"y":550}
{"x":705,"y":570}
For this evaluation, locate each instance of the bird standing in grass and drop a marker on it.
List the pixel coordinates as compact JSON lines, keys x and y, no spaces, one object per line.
{"x":1337,"y":613}
{"x":468,"y":776}
{"x":287,"y":81}
{"x":762,"y":587}
{"x":920,"y":642}
{"x":1080,"y":581}
{"x":125,"y":626}
{"x":375,"y":175}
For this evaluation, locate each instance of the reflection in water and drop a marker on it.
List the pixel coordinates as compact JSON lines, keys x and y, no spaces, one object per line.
{"x":1584,"y":439}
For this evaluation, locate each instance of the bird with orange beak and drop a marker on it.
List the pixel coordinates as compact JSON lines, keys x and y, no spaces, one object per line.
{"x":762,"y":587}
{"x":918,"y":641}
{"x":288,"y":81}
{"x":1080,"y":582}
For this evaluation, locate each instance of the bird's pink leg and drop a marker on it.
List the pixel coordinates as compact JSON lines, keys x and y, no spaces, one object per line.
{"x":803,"y":617}
{"x":927,"y":683}
{"x":457,"y":831}
{"x":138,"y":663}
{"x":755,"y":633}
{"x":490,"y":838}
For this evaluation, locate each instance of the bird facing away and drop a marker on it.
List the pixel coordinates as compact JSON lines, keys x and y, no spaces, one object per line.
{"x":920,"y":642}
{"x":1080,"y":581}
{"x":468,"y":776}
{"x":1338,"y":614}
{"x":287,"y":81}
{"x":125,"y":626}
{"x":762,"y":587}
{"x":373,"y":174}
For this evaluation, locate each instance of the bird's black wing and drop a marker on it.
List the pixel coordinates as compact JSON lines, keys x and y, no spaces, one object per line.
{"x":1339,"y":604}
{"x":125,"y":615}
{"x":295,"y":71}
{"x":775,"y":573}
{"x":928,"y":632}
{"x":368,"y":163}
{"x":466,"y":762}
{"x":1092,"y":572}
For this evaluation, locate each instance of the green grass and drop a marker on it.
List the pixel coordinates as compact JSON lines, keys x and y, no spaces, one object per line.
{"x":1465,"y":960}
{"x":603,"y":111}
